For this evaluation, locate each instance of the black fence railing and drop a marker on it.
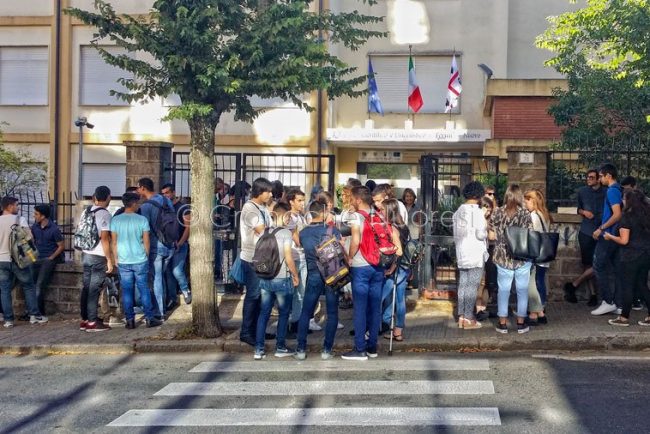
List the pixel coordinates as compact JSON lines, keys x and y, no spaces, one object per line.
{"x":566,"y":171}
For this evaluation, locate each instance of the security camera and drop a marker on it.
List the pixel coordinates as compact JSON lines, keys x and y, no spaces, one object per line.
{"x":89,"y":125}
{"x":83,"y":122}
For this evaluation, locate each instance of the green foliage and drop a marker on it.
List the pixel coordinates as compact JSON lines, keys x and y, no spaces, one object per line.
{"x":216,"y":54}
{"x":20,"y":173}
{"x":499,"y":182}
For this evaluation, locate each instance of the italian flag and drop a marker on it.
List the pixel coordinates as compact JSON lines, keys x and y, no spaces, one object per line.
{"x":415,"y":97}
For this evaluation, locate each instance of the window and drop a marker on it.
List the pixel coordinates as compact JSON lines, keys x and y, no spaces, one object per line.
{"x":97,"y":78}
{"x":432,"y":73}
{"x":111,"y":175}
{"x":24,"y":75}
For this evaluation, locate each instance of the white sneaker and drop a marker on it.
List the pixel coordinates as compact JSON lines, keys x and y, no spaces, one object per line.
{"x":618,"y":311}
{"x":340,"y":326}
{"x":8,"y":324}
{"x":37,"y":319}
{"x":604,"y":308}
{"x":313,"y":326}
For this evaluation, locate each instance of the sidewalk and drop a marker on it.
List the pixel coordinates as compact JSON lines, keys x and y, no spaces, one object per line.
{"x":570,"y":327}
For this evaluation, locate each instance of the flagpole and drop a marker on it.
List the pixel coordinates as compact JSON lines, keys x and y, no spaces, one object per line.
{"x":408,"y":107}
{"x":452,"y":109}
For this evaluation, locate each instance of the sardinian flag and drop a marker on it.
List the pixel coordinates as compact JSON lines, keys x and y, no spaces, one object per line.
{"x":454,"y":87}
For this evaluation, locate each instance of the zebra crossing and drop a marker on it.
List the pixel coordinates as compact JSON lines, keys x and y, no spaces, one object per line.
{"x":314,"y":385}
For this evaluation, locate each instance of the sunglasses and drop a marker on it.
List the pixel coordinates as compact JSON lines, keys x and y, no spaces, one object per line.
{"x":592,"y":177}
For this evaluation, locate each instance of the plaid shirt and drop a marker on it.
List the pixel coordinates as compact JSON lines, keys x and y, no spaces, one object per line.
{"x":500,"y":221}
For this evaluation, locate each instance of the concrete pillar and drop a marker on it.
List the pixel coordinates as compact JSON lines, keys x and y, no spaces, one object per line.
{"x":150,"y":160}
{"x":527,"y":166}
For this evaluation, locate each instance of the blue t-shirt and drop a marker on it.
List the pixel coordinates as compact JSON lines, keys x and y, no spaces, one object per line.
{"x":150,"y":212}
{"x":310,"y":237}
{"x":129,"y":228}
{"x":614,"y":196}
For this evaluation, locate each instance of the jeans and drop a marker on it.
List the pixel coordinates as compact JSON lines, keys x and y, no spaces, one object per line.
{"x":540,"y":282}
{"x":131,"y":276}
{"x":504,"y":278}
{"x":315,"y":287}
{"x":367,"y":283}
{"x":42,"y":272}
{"x":9,"y":271}
{"x":251,"y":308}
{"x":94,"y":274}
{"x":176,"y":272}
{"x":636,"y":282}
{"x":299,"y":292}
{"x":280,"y":290}
{"x":159,"y":260}
{"x":400,"y":300}
{"x":607,"y":265}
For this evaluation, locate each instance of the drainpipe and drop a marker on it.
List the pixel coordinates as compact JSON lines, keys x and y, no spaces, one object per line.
{"x":319,"y":121}
{"x":57,"y":98}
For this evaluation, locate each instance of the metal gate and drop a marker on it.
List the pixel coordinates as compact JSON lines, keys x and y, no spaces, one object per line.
{"x":443,"y":179}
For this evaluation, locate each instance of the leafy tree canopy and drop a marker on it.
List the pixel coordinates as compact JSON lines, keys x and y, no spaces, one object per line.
{"x":20,"y":173}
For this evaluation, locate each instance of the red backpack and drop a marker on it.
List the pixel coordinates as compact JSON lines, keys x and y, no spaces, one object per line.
{"x":377,"y":240}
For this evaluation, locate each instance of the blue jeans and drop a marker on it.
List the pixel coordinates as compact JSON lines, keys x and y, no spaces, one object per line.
{"x":159,"y":260}
{"x":400,"y":299}
{"x":504,"y":280}
{"x":314,"y":289}
{"x":540,"y":282}
{"x":299,"y":292}
{"x":607,"y":266}
{"x":251,"y":308}
{"x":367,"y":283}
{"x":131,"y":276}
{"x":9,"y":270}
{"x":93,"y":279}
{"x":280,"y":290}
{"x":178,"y":268}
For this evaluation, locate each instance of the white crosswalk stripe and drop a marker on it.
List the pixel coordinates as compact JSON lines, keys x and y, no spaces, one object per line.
{"x":323,"y":416}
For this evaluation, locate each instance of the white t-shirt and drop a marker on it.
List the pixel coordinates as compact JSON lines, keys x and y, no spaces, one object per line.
{"x":103,"y":223}
{"x":283,"y":238}
{"x":252,"y":215}
{"x":6,"y":222}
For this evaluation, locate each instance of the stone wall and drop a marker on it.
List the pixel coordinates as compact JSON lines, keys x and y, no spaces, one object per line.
{"x":62,"y":295}
{"x":148,"y":159}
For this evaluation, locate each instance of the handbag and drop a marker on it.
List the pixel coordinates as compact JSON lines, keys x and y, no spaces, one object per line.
{"x":237,"y":272}
{"x":530,"y":245}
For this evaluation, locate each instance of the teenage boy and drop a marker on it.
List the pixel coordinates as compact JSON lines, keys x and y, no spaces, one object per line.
{"x":97,"y":262}
{"x":591,"y":200}
{"x":160,"y":255}
{"x":295,"y":222}
{"x":279,"y":289}
{"x":9,"y":270}
{"x":254,"y":219}
{"x":310,"y":237}
{"x":130,"y":240}
{"x":606,"y":260}
{"x":49,"y":242}
{"x":367,"y":283}
{"x":176,"y":272}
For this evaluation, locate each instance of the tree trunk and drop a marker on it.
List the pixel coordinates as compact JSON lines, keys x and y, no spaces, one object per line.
{"x":205,"y":312}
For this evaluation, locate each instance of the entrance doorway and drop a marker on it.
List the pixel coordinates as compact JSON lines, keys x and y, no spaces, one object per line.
{"x":400,"y":175}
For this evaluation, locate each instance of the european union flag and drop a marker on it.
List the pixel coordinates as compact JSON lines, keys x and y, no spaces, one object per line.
{"x":374,"y":103}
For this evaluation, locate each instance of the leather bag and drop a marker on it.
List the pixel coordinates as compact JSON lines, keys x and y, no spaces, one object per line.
{"x":529,"y":245}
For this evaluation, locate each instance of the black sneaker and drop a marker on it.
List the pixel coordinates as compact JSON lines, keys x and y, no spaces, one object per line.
{"x":153,"y":322}
{"x":542,"y":320}
{"x":522,"y":328}
{"x":355,"y":355}
{"x":570,"y":293}
{"x":636,"y":305}
{"x":502,"y":328}
{"x":482,"y":315}
{"x":531,"y":322}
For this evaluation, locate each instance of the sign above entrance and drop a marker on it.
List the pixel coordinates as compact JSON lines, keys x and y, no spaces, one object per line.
{"x":380,"y":156}
{"x":395,"y":135}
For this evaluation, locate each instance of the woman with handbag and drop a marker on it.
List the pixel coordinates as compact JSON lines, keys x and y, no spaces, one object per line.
{"x":511,"y":214}
{"x":535,"y":204}
{"x":634,"y":239}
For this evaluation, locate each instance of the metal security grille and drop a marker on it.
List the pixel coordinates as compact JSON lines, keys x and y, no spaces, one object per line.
{"x":227,"y":166}
{"x":443,"y":180}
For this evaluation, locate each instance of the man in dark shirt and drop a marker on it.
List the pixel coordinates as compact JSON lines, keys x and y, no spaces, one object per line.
{"x":49,"y":242}
{"x":175,"y":274}
{"x":591,"y":199}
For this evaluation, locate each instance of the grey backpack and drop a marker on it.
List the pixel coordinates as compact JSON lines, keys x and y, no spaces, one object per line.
{"x":87,"y":236}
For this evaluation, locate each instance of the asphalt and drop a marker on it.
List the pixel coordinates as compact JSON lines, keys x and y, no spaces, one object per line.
{"x":430,"y":327}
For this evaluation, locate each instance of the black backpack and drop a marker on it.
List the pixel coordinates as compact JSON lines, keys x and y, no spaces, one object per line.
{"x":266,"y":260}
{"x":331,"y":261}
{"x":166,"y":225}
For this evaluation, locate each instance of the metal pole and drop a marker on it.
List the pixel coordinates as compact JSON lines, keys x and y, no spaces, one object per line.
{"x":80,"y":164}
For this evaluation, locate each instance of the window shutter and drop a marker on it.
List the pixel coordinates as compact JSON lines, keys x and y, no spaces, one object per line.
{"x":432,"y":74}
{"x":111,"y":175}
{"x":97,"y":78}
{"x":24,"y":75}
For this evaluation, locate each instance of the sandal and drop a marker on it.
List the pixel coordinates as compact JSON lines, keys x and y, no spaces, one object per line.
{"x":397,"y":338}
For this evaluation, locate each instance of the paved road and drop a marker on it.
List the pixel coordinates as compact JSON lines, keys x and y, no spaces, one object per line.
{"x":427,"y":392}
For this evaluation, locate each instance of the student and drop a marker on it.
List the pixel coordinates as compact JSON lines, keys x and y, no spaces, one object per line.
{"x":130,"y":242}
{"x":176,"y":269}
{"x":470,"y":238}
{"x":254,"y":218}
{"x":512,"y":213}
{"x":49,"y":242}
{"x":295,"y":221}
{"x":97,"y":262}
{"x":280,"y":289}
{"x":310,"y":237}
{"x":606,"y":258}
{"x":536,"y":205}
{"x":160,"y":255}
{"x":9,"y":270}
{"x":634,"y":239}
